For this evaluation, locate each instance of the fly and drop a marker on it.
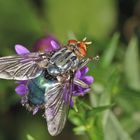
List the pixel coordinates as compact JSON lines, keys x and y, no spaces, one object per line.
{"x":50,"y":79}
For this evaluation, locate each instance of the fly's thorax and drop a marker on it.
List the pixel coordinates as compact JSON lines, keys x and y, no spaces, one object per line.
{"x":62,"y":61}
{"x":75,"y":50}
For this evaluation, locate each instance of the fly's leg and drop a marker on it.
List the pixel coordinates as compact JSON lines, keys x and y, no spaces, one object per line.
{"x":80,"y":83}
{"x":84,"y":62}
{"x":24,"y":102}
{"x":81,"y":64}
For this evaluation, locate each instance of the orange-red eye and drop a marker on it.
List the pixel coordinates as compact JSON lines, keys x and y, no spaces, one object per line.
{"x":83,"y":48}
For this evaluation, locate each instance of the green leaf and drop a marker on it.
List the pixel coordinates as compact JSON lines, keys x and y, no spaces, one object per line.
{"x":75,"y":117}
{"x":133,"y":121}
{"x":110,"y":51}
{"x":94,"y":110}
{"x":79,"y":130}
{"x":113,"y":129}
{"x":97,"y":133}
{"x":99,"y":109}
{"x":131,"y":64}
{"x":128,"y":99}
{"x":29,"y":137}
{"x":84,"y":104}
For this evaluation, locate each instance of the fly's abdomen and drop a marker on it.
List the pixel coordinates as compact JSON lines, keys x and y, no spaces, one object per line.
{"x":37,"y":88}
{"x":62,"y":61}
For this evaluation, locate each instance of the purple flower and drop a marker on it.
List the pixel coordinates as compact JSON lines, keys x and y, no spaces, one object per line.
{"x":47,"y":44}
{"x":21,"y":89}
{"x":21,"y":49}
{"x":81,"y":75}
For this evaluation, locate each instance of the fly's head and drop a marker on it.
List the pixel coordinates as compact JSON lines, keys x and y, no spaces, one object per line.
{"x":79,"y":47}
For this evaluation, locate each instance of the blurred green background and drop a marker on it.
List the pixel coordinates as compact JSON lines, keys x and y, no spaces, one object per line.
{"x":111,"y":111}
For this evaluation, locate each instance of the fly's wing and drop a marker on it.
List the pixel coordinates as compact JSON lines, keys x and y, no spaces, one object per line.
{"x":57,"y":102}
{"x":22,"y":67}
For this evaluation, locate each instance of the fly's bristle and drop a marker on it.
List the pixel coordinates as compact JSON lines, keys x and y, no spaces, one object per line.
{"x":88,"y":43}
{"x":84,"y":39}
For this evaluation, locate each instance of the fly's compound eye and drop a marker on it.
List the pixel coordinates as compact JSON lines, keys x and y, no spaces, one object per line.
{"x":83,"y":48}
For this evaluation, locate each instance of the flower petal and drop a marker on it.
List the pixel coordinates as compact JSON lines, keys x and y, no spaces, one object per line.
{"x":80,"y":91}
{"x":55,"y":45}
{"x":77,"y":90}
{"x":21,"y":49}
{"x":88,"y":79}
{"x":78,"y":74}
{"x":86,"y":90}
{"x":47,"y":43}
{"x":84,"y":70}
{"x":21,"y":89}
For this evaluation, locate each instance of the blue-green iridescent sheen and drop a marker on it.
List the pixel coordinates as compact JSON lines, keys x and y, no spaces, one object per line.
{"x":37,"y":88}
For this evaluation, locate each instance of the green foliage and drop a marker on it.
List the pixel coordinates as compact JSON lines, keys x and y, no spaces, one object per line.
{"x":110,"y":87}
{"x":29,"y":137}
{"x":109,"y":53}
{"x":131,"y":63}
{"x":87,"y":120}
{"x":114,"y":130}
